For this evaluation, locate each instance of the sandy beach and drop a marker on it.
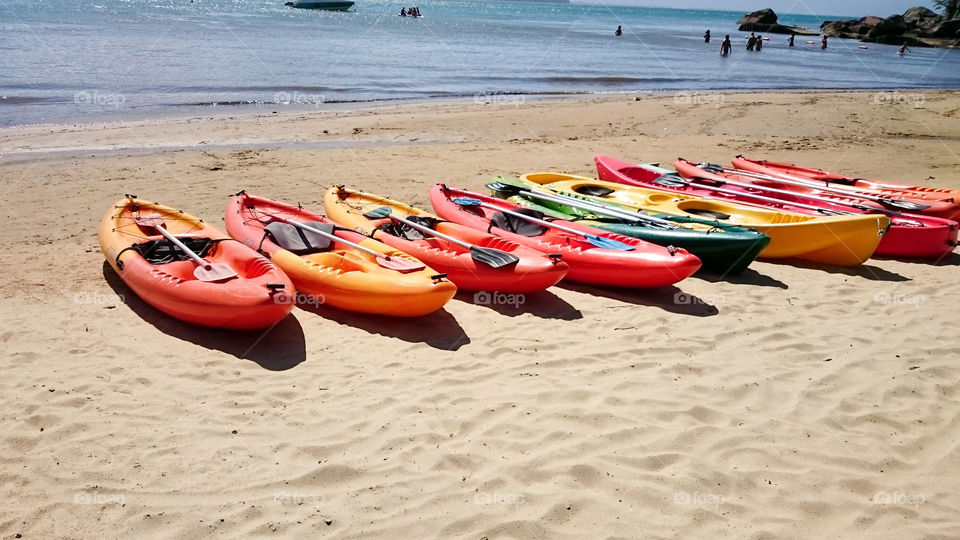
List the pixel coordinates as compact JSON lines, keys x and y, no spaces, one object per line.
{"x":795,"y":400}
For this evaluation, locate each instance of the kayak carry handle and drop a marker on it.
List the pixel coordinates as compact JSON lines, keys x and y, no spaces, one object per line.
{"x":276,"y":286}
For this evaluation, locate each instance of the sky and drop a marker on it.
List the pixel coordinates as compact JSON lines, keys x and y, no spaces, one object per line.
{"x":853,"y":8}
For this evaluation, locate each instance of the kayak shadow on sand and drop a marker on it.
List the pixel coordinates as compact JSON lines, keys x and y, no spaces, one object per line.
{"x":747,"y":277}
{"x":866,"y":271}
{"x":543,"y":304}
{"x":276,"y":348}
{"x":952,"y":259}
{"x":669,"y":298}
{"x":439,"y":329}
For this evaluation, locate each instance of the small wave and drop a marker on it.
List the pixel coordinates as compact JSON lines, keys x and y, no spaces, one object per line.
{"x":604,"y":80}
{"x":25,"y":100}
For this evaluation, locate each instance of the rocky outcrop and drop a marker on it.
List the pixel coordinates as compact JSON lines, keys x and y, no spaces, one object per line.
{"x":764,"y":16}
{"x":918,"y":27}
{"x":765,"y":21}
{"x":922,"y":18}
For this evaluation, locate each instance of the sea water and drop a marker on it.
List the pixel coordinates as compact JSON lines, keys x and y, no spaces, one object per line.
{"x":72,"y":61}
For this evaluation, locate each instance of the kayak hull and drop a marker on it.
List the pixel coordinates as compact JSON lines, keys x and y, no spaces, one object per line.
{"x":728,"y":250}
{"x":944,"y":203}
{"x":244,"y":302}
{"x":533,"y":272}
{"x":910,"y":236}
{"x":646,"y":266}
{"x":342,"y":277}
{"x":832,"y":240}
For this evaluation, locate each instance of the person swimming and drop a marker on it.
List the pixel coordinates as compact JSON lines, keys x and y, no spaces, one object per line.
{"x":726,"y":46}
{"x":902,"y":50}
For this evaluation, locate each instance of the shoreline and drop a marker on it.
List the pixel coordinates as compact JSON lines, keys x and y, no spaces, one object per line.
{"x":194,"y":112}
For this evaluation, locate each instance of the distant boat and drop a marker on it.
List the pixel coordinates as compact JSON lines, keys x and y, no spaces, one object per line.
{"x":329,"y":5}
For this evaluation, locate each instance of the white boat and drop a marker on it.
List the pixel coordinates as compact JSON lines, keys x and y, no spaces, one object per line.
{"x":330,"y":5}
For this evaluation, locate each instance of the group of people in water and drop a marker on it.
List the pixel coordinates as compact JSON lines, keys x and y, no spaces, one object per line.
{"x":410,"y":12}
{"x":755,"y":42}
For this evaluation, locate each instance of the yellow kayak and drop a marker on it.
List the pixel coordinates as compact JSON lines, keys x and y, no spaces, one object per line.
{"x":835,"y":240}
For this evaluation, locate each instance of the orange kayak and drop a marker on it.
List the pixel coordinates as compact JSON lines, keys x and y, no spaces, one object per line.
{"x":332,"y":272}
{"x":531,"y":271}
{"x":943,"y":202}
{"x":166,"y":278}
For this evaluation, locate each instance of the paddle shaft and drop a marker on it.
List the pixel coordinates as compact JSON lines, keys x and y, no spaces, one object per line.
{"x":758,"y":197}
{"x":539,"y":221}
{"x":333,"y":237}
{"x":428,"y":230}
{"x":806,"y":182}
{"x":596,"y":208}
{"x":793,"y":194}
{"x":182,"y":247}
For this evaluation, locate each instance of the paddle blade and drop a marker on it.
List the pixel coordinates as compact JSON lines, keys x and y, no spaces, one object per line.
{"x":505,"y":189}
{"x":149,"y":220}
{"x":214,"y":272}
{"x":493,"y":258}
{"x":608,"y":243}
{"x":466,"y":201}
{"x":378,"y":213}
{"x":400,"y":264}
{"x":900,"y":204}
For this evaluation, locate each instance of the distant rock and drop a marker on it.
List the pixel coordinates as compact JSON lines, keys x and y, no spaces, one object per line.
{"x":918,"y":26}
{"x":922,"y":18}
{"x":764,"y":16}
{"x":765,"y":21}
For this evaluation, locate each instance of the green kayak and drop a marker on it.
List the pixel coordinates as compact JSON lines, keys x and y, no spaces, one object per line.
{"x":726,"y":249}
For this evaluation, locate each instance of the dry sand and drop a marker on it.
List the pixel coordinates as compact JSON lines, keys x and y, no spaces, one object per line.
{"x":787,"y":402}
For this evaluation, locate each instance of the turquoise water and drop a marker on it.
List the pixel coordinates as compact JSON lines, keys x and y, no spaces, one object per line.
{"x":68,"y":61}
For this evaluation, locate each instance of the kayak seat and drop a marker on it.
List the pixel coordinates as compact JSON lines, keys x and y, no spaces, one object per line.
{"x":593,"y":191}
{"x":298,"y":241}
{"x":163,"y":251}
{"x":402,"y":230}
{"x":518,"y":225}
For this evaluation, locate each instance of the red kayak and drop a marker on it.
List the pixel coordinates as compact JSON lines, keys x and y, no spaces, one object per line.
{"x":944,"y":203}
{"x":623,"y":261}
{"x":909,"y":236}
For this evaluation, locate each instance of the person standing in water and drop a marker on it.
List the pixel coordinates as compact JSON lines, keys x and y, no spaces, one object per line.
{"x":759,"y":43}
{"x":751,"y":42}
{"x":790,"y":40}
{"x":903,"y":50}
{"x":706,"y":37}
{"x":726,"y":47}
{"x":619,"y":31}
{"x":823,"y":42}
